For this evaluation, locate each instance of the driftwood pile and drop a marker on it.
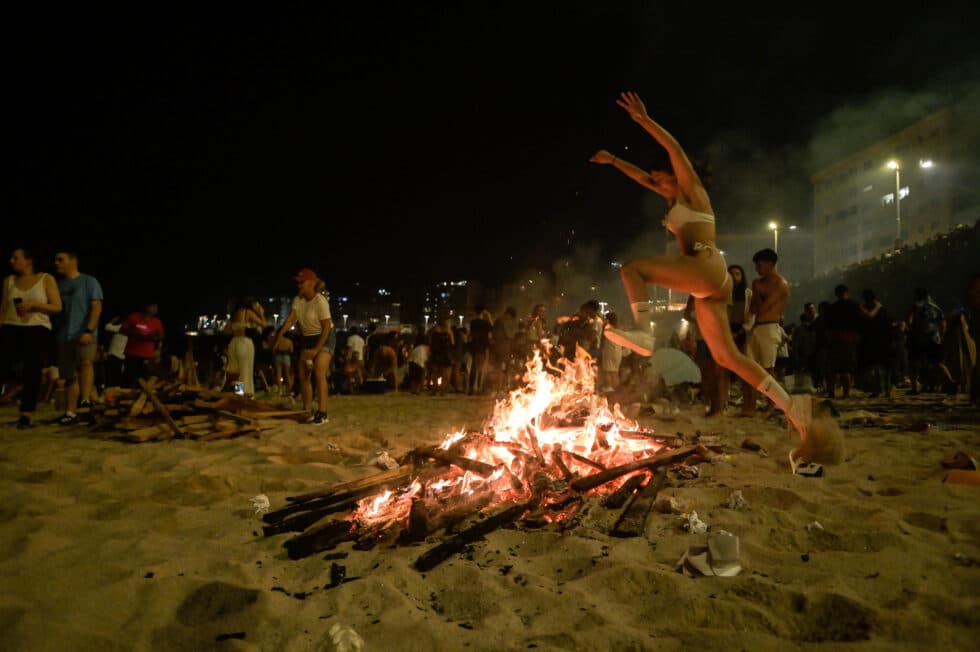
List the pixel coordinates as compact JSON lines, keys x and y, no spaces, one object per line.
{"x":549,"y":498}
{"x":164,"y":411}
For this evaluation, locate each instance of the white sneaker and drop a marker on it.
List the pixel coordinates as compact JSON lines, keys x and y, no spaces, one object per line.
{"x":638,"y":341}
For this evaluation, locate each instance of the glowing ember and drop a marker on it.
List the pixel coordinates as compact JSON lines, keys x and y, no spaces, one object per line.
{"x":554,"y":424}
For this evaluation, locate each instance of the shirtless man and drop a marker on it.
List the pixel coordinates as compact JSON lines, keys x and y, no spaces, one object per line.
{"x":770,"y":292}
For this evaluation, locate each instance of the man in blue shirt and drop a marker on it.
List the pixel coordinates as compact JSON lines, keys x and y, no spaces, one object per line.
{"x":75,"y":333}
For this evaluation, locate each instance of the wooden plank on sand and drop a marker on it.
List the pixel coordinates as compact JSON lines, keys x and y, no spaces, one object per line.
{"x":371,"y":480}
{"x":633,"y":521}
{"x":435,"y":556}
{"x":660,"y":459}
{"x":148,"y":388}
{"x":137,"y":408}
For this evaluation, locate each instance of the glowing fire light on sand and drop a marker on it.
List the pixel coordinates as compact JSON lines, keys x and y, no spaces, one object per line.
{"x":555,"y":416}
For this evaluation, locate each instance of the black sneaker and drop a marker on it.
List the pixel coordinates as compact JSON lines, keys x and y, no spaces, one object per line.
{"x":24,"y":423}
{"x":68,"y":420}
{"x":320,"y":418}
{"x":84,"y":406}
{"x":310,"y":418}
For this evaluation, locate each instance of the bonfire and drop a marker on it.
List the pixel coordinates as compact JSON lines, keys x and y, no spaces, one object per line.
{"x":546,"y":445}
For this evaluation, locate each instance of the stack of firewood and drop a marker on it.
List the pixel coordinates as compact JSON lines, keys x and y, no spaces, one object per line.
{"x":311,"y":514}
{"x":164,"y":411}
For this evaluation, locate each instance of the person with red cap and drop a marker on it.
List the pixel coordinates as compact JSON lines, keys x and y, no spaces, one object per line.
{"x":311,"y":309}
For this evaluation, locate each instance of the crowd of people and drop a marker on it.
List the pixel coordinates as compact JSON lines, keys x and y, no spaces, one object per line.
{"x":49,"y":335}
{"x":50,"y":327}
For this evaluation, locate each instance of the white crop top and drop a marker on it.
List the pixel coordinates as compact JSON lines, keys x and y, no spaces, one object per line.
{"x":679,"y":215}
{"x":35,"y":294}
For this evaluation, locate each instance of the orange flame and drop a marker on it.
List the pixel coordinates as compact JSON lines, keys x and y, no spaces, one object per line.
{"x":555,"y":413}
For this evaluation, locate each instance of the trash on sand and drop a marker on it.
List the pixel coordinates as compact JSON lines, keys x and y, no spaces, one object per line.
{"x":802,"y":467}
{"x":812,"y":527}
{"x":693,"y":524}
{"x":960,"y":460}
{"x":385,"y":461}
{"x":735,"y":501}
{"x":345,"y":639}
{"x":750,"y":445}
{"x":718,"y":558}
{"x":261,"y":504}
{"x":671,"y":505}
{"x":687,"y":471}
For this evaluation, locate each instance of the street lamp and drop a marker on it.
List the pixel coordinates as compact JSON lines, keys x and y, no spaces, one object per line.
{"x":345,"y":316}
{"x":774,"y":227}
{"x":893,"y":165}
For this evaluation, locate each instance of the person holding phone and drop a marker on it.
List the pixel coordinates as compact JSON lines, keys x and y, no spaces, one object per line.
{"x":29,"y":300}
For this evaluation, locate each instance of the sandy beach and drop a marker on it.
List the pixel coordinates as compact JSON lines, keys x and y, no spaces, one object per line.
{"x":107,"y":545}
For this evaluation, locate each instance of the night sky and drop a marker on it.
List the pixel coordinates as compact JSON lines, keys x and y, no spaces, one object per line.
{"x":192,"y":156}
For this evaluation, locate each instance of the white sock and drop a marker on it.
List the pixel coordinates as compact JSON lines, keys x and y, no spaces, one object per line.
{"x":642,"y":312}
{"x":774,"y":392}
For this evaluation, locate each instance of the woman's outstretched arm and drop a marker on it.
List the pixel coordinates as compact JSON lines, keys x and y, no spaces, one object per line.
{"x":637,"y":174}
{"x":687,"y":178}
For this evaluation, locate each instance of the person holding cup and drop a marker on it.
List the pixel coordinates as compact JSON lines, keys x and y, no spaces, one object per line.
{"x":29,"y":300}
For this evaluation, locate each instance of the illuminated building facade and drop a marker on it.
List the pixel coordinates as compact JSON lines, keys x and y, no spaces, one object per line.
{"x":932,"y":163}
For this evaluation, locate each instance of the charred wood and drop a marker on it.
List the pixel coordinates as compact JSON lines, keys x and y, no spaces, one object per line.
{"x":632,"y":522}
{"x":619,"y":497}
{"x":660,"y":459}
{"x":322,"y":537}
{"x":435,"y":556}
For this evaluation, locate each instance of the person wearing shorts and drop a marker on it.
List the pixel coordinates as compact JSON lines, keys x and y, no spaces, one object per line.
{"x":75,"y":334}
{"x":312,"y":311}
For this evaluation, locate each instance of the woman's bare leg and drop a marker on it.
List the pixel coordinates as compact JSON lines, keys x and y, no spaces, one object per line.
{"x":712,"y":315}
{"x":699,"y":274}
{"x":320,"y":366}
{"x":305,"y":386}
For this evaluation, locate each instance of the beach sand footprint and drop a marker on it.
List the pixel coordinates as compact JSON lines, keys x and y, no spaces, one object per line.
{"x":213,"y":601}
{"x":39,"y":476}
{"x":206,"y":613}
{"x":833,"y":617}
{"x":927,"y":521}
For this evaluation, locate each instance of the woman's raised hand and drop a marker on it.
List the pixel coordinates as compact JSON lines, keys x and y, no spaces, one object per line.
{"x":602,"y":156}
{"x":633,"y":105}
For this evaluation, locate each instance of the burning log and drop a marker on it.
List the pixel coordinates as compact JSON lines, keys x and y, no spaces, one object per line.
{"x":467,"y":464}
{"x":320,"y":537}
{"x":660,"y":459}
{"x":632,"y":522}
{"x":299,"y":522}
{"x":435,"y":556}
{"x":584,"y":460}
{"x":375,"y":481}
{"x":565,"y":471}
{"x":427,"y":517}
{"x":318,"y":502}
{"x":619,"y":497}
{"x":535,"y":445}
